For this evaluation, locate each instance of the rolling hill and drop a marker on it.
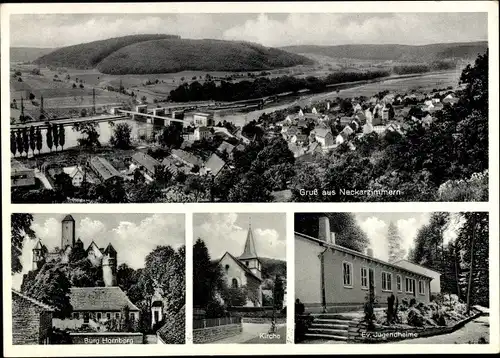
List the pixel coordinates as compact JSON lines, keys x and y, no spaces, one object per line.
{"x":143,"y":54}
{"x":88,"y":55}
{"x":423,"y":53}
{"x":27,"y":54}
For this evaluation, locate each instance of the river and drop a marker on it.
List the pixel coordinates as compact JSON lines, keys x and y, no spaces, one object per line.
{"x":105,"y":130}
{"x":425,"y":82}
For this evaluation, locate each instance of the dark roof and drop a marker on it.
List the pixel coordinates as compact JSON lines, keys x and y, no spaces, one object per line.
{"x":38,"y":245}
{"x":240,"y":264}
{"x":104,"y":168}
{"x":110,"y":250}
{"x":187,"y":157}
{"x":249,"y":252}
{"x":146,"y":161}
{"x":225,"y":146}
{"x":215,"y":164}
{"x":99,"y":299}
{"x":33,"y":301}
{"x":356,"y":253}
{"x":68,"y":218}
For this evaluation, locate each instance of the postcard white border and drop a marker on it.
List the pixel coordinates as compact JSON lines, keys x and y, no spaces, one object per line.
{"x":490,"y":7}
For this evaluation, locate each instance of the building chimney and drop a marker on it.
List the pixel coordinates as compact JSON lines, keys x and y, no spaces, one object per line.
{"x":332,"y":238}
{"x":324,"y":229}
{"x":369,"y":252}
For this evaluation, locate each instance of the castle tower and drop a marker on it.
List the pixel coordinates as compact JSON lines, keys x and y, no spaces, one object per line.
{"x":249,"y":256}
{"x":68,"y":232}
{"x":38,"y":256}
{"x":109,"y":266}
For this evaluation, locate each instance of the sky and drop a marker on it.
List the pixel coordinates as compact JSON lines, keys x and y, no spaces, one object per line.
{"x":375,"y":226}
{"x":269,"y":29}
{"x":223,"y":232}
{"x":132,"y":235}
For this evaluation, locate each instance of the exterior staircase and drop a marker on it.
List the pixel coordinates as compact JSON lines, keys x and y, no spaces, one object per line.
{"x":330,"y":326}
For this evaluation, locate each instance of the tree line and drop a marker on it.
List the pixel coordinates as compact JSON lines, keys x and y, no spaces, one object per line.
{"x":22,"y":140}
{"x":263,"y":86}
{"x":463,"y":261}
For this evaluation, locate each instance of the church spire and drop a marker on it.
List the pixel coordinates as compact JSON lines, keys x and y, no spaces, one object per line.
{"x":249,"y":251}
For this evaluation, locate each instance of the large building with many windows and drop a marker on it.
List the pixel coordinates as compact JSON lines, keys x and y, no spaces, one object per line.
{"x":332,"y":278}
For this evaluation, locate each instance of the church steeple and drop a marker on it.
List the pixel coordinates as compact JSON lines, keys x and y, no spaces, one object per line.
{"x":249,"y":256}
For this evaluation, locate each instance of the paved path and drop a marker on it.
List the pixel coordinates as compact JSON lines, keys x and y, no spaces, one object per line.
{"x":251,"y":333}
{"x":470,"y":333}
{"x":43,"y":179}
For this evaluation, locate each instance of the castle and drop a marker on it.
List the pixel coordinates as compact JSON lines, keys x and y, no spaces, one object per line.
{"x":99,"y":257}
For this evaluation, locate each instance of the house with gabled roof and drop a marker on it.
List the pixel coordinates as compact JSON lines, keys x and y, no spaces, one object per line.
{"x":332,"y":278}
{"x":245,"y":270}
{"x":94,"y":306}
{"x":213,"y":165}
{"x":322,"y":135}
{"x":145,"y":162}
{"x":103,"y":169}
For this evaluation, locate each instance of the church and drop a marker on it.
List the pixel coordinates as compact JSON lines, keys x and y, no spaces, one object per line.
{"x":99,"y":257}
{"x":245,"y":270}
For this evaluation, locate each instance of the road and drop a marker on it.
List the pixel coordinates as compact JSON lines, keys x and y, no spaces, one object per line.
{"x":67,"y":121}
{"x":472,"y":332}
{"x":43,"y":179}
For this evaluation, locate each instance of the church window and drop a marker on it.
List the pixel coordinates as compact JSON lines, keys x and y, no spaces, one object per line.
{"x":108,"y":316}
{"x":246,"y":262}
{"x":227,"y":268}
{"x":234,"y":283}
{"x":99,"y":316}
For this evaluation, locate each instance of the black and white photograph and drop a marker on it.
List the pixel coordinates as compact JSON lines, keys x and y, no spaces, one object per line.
{"x":248,"y":107}
{"x":392,"y":278}
{"x":239,"y":278}
{"x":98,"y":279}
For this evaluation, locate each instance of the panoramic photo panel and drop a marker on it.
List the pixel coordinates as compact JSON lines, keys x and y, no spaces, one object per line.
{"x":239,"y":278}
{"x":98,"y":279}
{"x":298,"y":107}
{"x":392,"y":278}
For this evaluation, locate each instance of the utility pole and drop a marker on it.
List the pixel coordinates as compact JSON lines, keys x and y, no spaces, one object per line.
{"x":22,"y":109}
{"x":93,"y":101}
{"x":41,"y":107}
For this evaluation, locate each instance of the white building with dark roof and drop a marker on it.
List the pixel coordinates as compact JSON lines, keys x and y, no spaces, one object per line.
{"x":245,"y":270}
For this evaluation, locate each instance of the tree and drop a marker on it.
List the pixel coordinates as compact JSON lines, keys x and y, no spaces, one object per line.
{"x":52,"y":287}
{"x":278,"y":293}
{"x":62,"y":136}
{"x":13,"y":143}
{"x":196,"y":185}
{"x":347,"y":231}
{"x":64,"y":184}
{"x":172,"y":136}
{"x":19,"y":142}
{"x":121,"y":136}
{"x":20,"y":229}
{"x":473,"y":243}
{"x":39,"y":140}
{"x":89,"y":133}
{"x":144,"y":99}
{"x":55,"y":135}
{"x":208,"y":279}
{"x":26,"y":143}
{"x":394,"y":240}
{"x":250,"y":189}
{"x":48,"y":135}
{"x":32,"y":139}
